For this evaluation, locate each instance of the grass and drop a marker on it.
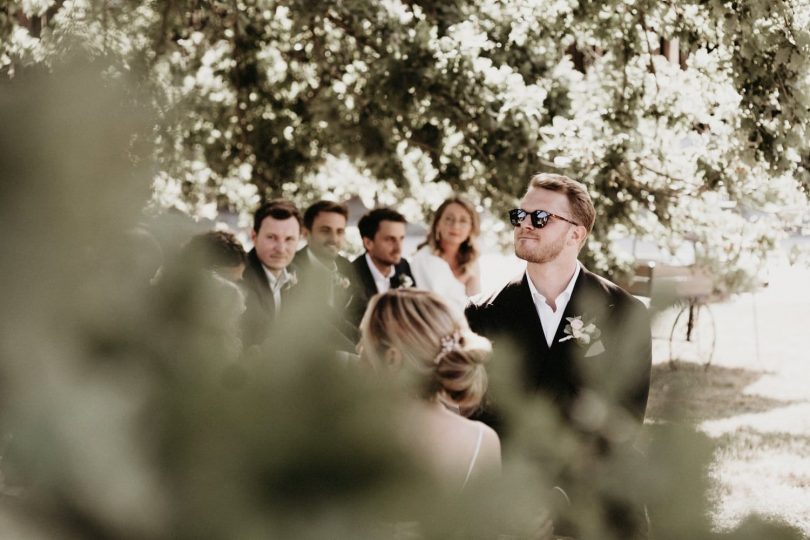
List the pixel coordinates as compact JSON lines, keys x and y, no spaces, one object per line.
{"x":753,"y":401}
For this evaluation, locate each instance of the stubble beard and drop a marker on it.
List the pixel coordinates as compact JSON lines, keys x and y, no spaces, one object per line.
{"x":541,"y":254}
{"x":387,"y":260}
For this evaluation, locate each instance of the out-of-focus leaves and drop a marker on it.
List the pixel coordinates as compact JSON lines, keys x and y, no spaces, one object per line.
{"x":125,"y":409}
{"x":255,"y":96}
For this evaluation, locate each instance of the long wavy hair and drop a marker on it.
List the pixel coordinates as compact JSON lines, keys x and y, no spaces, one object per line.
{"x":468,"y":251}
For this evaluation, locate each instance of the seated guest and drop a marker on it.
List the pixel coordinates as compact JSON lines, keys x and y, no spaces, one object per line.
{"x":447,"y":261}
{"x":268,"y":278}
{"x":218,"y":251}
{"x":381,"y":267}
{"x":320,"y":261}
{"x":200,"y":285}
{"x":144,"y":257}
{"x":324,"y":275}
{"x":415,"y":335}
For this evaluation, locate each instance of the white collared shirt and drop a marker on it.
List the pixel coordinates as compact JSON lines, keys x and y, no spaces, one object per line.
{"x":277,"y":284}
{"x":549,"y":318}
{"x":382,"y":282}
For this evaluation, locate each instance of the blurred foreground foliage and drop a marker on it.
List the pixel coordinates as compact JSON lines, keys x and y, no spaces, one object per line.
{"x":705,"y":146}
{"x":125,"y":411}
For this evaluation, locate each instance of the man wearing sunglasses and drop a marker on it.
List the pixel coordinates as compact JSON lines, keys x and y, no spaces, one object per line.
{"x":582,"y":341}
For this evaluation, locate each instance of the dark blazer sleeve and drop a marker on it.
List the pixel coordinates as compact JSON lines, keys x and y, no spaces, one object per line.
{"x":626,"y":374}
{"x":259,"y":305}
{"x":362,"y":289}
{"x":635,"y":348}
{"x":487,"y":315}
{"x":476,"y":317}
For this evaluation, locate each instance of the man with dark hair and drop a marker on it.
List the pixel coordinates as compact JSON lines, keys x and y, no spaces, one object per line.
{"x":381,"y":267}
{"x":325,"y":276}
{"x":219,"y":251}
{"x":320,"y":262}
{"x":267,"y":278}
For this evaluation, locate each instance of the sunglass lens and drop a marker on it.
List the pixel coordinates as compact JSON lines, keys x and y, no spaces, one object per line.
{"x":539,"y":218}
{"x":516,"y":216}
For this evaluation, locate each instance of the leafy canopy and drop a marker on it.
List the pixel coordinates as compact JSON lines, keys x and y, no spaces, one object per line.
{"x":475,"y":96}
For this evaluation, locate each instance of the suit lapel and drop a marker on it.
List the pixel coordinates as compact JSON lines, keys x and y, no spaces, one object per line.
{"x":518,"y":318}
{"x":587,"y":302}
{"x":400,"y":270}
{"x":364,"y":273}
{"x":527,"y":314}
{"x":258,"y":282}
{"x":572,"y":309}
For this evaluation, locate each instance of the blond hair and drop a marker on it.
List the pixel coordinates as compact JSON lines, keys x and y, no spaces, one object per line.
{"x":579,"y":199}
{"x":436,"y":344}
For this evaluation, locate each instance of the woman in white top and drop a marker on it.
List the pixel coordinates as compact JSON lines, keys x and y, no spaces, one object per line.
{"x":447,"y":261}
{"x":415,"y":335}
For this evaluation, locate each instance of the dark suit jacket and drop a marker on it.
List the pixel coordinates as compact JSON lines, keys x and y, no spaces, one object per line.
{"x":260,"y":316}
{"x":316,"y":283}
{"x":620,"y":373}
{"x":315,"y":276}
{"x":364,"y":286}
{"x":259,"y":303}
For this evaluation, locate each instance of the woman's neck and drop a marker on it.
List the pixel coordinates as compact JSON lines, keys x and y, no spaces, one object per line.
{"x":449,"y":252}
{"x":447,"y":247}
{"x":437,"y":406}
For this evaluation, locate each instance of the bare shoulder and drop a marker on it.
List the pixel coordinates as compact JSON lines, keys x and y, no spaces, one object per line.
{"x":490,"y":453}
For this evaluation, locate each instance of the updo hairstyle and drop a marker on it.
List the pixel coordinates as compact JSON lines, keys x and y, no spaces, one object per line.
{"x":437,"y":346}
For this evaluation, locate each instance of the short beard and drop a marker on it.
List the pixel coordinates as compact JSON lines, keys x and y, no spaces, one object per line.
{"x":543,"y":255}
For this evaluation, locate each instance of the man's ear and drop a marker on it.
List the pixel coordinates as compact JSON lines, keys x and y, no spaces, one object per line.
{"x":367,"y":243}
{"x":579,"y":235}
{"x":305,"y":233}
{"x":253,"y":236}
{"x":393,"y":358}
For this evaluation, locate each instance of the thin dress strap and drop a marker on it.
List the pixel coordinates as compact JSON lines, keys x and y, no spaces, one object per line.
{"x":475,"y":454}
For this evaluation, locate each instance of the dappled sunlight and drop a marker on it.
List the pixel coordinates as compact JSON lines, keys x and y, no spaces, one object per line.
{"x":782,"y":384}
{"x":753,"y":400}
{"x":765,"y":476}
{"x":792,"y":419}
{"x":134,"y":405}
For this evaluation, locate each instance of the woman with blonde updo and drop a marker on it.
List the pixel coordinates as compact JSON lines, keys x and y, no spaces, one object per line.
{"x":447,"y":261}
{"x":416,"y":335}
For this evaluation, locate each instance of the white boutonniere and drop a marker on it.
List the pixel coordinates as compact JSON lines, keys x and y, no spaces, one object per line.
{"x":291,"y":282}
{"x":584,"y":334}
{"x":405,"y":280}
{"x":341,"y":281}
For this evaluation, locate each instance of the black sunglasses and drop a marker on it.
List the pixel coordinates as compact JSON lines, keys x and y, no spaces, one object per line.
{"x":539,"y":217}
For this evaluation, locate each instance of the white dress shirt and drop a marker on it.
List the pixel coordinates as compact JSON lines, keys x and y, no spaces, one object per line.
{"x":382,"y":282}
{"x":277,"y":284}
{"x":549,"y":318}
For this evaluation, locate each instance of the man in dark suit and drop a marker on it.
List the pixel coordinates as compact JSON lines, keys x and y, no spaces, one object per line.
{"x":324,"y":275}
{"x":381,"y":267}
{"x":581,"y":340}
{"x":268,"y":279}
